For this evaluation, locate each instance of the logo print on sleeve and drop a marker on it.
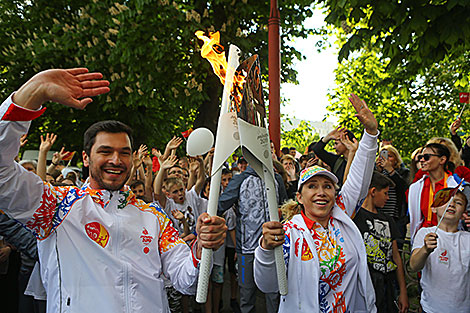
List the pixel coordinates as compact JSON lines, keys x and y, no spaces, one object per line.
{"x":146,"y":240}
{"x":97,"y":233}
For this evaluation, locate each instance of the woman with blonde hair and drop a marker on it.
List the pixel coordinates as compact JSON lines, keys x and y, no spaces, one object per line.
{"x":390,"y":164}
{"x":290,"y":165}
{"x":415,"y":165}
{"x":326,"y":266}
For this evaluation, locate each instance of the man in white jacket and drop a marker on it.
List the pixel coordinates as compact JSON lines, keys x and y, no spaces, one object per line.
{"x":100,"y":248}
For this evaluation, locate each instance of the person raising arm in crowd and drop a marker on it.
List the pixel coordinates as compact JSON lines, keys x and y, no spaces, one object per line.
{"x":326,"y":266}
{"x":337,"y":162}
{"x":97,"y":240}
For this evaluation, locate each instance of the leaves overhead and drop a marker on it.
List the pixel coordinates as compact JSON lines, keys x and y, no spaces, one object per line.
{"x":409,"y":34}
{"x":410,"y":111}
{"x":160,"y":85}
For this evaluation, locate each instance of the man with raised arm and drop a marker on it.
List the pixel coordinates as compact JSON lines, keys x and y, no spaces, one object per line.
{"x":100,"y":248}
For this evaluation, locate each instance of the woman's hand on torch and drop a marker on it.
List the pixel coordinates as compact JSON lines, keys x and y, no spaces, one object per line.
{"x":273,"y":235}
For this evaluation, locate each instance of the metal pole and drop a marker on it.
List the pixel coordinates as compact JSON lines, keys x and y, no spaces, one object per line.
{"x":274,"y":64}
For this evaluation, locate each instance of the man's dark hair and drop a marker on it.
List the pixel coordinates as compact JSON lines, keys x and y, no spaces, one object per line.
{"x":310,"y":146}
{"x":285,"y":150}
{"x":380,"y":181}
{"x":226,"y":171}
{"x":292,"y":148}
{"x":106,"y":127}
{"x":137,"y":183}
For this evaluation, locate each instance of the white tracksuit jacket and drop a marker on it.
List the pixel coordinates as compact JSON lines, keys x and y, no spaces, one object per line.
{"x":303,"y":277}
{"x":100,"y":251}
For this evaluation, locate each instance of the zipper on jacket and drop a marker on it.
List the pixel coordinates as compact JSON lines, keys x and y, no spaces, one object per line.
{"x":117,"y":253}
{"x":126,"y":286}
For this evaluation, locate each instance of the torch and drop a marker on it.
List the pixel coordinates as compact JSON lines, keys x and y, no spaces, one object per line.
{"x":243,"y":123}
{"x":226,"y":142}
{"x":256,"y":147}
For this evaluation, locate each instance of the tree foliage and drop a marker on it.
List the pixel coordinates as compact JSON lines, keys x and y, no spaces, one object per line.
{"x":160,"y":85}
{"x":409,"y":110}
{"x":299,"y":137}
{"x":411,"y":34}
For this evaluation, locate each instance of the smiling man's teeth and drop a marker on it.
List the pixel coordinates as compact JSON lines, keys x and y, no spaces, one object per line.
{"x":320,"y":202}
{"x":113,"y":172}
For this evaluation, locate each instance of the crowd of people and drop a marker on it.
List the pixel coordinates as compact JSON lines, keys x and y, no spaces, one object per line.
{"x":124,"y":233}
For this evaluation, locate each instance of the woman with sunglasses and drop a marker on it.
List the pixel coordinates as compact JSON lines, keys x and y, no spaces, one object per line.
{"x":435,"y":163}
{"x":456,"y":166}
{"x":325,"y":256}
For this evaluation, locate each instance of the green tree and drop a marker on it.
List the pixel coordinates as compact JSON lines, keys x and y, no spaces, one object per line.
{"x":160,"y":85}
{"x":409,"y":111}
{"x":299,"y":137}
{"x":411,"y":34}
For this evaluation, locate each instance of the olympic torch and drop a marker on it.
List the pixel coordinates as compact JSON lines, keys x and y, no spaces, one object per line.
{"x":242,"y":121}
{"x":225,"y":144}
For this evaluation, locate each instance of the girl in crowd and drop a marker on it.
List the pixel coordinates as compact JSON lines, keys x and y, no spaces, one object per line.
{"x":326,"y":267}
{"x":391,"y":165}
{"x":290,"y":165}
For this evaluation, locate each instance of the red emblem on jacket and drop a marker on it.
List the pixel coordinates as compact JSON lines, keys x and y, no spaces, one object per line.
{"x":97,"y":233}
{"x":146,"y":240}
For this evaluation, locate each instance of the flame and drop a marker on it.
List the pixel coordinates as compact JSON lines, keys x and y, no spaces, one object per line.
{"x":213,"y":51}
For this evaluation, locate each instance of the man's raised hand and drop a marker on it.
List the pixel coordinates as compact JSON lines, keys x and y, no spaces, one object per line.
{"x":71,"y":87}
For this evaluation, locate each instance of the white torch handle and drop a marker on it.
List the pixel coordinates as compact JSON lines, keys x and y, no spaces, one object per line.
{"x":274,"y":216}
{"x":206,"y":256}
{"x":214,"y":192}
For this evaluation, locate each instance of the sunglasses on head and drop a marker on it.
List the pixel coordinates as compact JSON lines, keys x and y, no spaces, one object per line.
{"x":426,"y":156}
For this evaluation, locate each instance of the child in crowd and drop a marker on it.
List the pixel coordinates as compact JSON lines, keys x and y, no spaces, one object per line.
{"x":379,"y":233}
{"x":175,"y":197}
{"x":443,"y":257}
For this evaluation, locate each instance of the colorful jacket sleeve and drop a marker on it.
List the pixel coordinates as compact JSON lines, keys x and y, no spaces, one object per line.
{"x":178,"y":260}
{"x":23,"y":195}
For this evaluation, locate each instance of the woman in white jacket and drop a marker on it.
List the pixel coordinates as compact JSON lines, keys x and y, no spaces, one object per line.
{"x":324,"y":252}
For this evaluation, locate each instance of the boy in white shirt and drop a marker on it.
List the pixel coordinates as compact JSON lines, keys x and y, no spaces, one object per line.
{"x":174,"y":196}
{"x":443,"y":256}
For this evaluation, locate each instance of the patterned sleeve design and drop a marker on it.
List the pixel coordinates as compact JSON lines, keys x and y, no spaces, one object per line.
{"x":169,"y":236}
{"x":54,"y":207}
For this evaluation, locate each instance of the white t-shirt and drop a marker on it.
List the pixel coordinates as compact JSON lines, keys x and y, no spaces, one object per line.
{"x":192,"y":207}
{"x":446,"y":276}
